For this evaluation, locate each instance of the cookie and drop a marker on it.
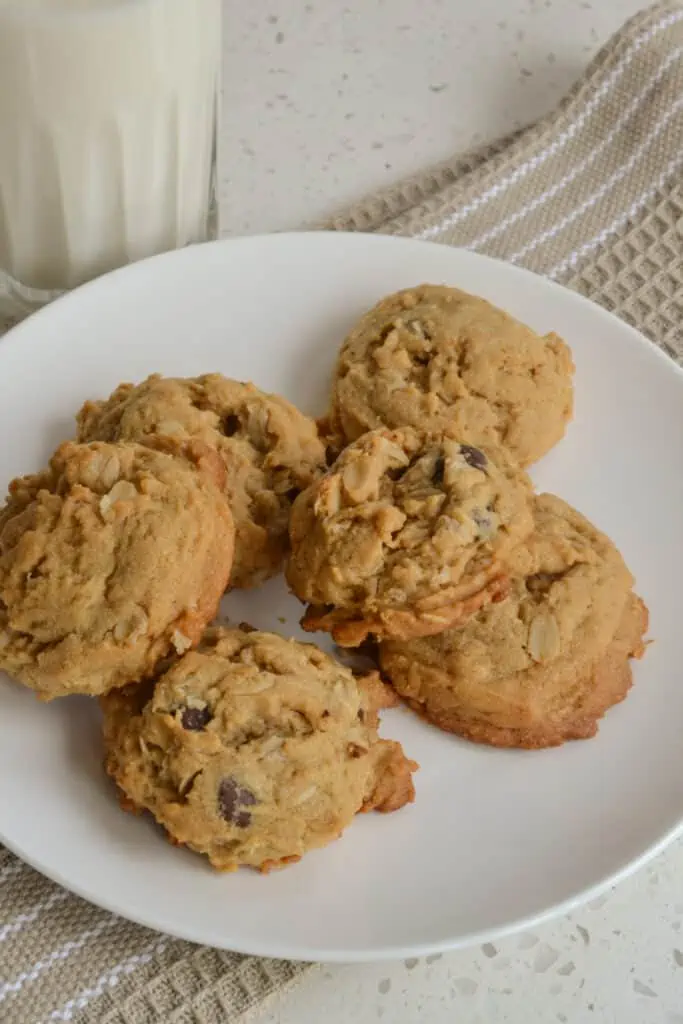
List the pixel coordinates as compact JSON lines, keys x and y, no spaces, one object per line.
{"x":109,"y":559}
{"x":271,"y":451}
{"x":434,"y":357}
{"x":406,"y":535}
{"x":546,"y":664}
{"x":254,"y":749}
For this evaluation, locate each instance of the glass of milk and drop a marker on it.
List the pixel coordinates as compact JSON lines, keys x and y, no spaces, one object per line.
{"x":108,"y":137}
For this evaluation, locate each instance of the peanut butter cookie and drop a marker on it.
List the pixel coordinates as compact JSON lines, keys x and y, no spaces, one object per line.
{"x":546,"y":664}
{"x":254,"y":749}
{"x":434,"y":357}
{"x":406,"y":535}
{"x":109,"y":559}
{"x":271,"y":451}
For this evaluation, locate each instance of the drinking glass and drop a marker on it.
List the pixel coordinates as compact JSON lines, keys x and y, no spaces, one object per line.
{"x":109,"y":112}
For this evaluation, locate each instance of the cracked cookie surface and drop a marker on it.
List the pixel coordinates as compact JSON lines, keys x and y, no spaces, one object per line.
{"x":405,"y":535}
{"x":543,"y":666}
{"x":254,"y":749}
{"x":110,"y":558}
{"x":271,"y":451}
{"x":434,"y":357}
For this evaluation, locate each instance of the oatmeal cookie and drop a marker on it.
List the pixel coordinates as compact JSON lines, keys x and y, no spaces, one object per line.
{"x":110,"y":558}
{"x":254,"y":749}
{"x":271,"y":451}
{"x":544,"y":666}
{"x":434,"y":357}
{"x":406,"y":535}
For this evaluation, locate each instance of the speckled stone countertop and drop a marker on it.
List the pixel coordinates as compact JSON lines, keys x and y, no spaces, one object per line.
{"x":325,"y":103}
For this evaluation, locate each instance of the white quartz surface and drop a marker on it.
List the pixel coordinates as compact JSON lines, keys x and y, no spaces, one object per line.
{"x":326,"y":102}
{"x":618,"y":960}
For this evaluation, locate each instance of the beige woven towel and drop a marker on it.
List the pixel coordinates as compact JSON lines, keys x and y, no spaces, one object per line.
{"x":591,"y":197}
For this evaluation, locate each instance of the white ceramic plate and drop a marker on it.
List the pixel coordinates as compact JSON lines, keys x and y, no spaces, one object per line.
{"x":496,"y":839}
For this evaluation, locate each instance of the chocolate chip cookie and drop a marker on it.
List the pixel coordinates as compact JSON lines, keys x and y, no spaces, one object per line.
{"x":254,"y":749}
{"x":406,"y":535}
{"x":434,"y":357}
{"x":113,"y":556}
{"x":271,"y":451}
{"x":546,"y":664}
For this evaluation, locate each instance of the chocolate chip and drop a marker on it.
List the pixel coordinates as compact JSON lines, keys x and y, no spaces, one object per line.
{"x":195,"y":719}
{"x":232,"y":798}
{"x":231,"y":424}
{"x":354,"y":750}
{"x":438,"y":471}
{"x":473,"y":456}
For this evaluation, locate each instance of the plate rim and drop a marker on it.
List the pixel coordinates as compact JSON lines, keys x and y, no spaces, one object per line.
{"x":363,"y":953}
{"x":638,"y":337}
{"x":372,"y":955}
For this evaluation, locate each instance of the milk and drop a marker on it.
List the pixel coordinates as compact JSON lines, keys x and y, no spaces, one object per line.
{"x":108,"y":113}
